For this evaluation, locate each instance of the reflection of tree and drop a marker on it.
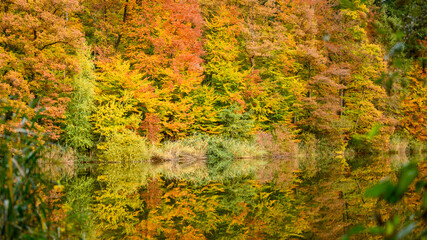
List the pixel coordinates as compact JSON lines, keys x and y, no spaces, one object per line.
{"x":337,"y":194}
{"x":409,"y":222}
{"x":118,"y":203}
{"x":360,"y":210}
{"x":131,"y":203}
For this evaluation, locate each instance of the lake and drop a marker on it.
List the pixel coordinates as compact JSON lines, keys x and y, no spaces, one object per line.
{"x":292,"y":198}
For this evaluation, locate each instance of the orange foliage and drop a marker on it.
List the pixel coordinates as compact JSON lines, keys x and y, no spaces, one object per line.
{"x":163,"y":42}
{"x":414,"y":110}
{"x":36,"y":42}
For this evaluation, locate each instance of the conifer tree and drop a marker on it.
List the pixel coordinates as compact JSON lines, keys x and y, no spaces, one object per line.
{"x":78,"y":130}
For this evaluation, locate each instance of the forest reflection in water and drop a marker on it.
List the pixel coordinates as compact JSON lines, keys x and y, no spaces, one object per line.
{"x":252,"y":199}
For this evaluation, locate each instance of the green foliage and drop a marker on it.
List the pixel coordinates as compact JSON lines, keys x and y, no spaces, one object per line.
{"x":78,"y":131}
{"x":117,"y":204}
{"x":78,"y":199}
{"x":114,"y":117}
{"x":126,"y":146}
{"x":23,"y":213}
{"x":205,"y":105}
{"x":123,"y":97}
{"x":224,"y":70}
{"x":366,"y":143}
{"x":417,"y":147}
{"x":234,"y":124}
{"x":219,"y":156}
{"x":407,"y":21}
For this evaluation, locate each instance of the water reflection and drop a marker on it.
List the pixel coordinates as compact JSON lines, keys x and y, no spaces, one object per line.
{"x":252,"y":199}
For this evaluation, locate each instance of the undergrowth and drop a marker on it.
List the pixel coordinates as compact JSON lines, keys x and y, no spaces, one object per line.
{"x":204,"y":147}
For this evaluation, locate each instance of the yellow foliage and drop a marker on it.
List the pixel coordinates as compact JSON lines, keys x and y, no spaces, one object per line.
{"x":114,"y":117}
{"x":415,"y":105}
{"x":126,"y":146}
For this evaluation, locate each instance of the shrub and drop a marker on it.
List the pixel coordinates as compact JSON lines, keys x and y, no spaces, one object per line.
{"x":126,"y":146}
{"x":219,"y":156}
{"x":417,"y":147}
{"x":375,"y":141}
{"x":236,"y":125}
{"x":58,"y":161}
{"x":199,"y":147}
{"x":56,"y":153}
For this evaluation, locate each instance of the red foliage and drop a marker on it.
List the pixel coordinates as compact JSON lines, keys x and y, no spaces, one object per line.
{"x":151,"y":126}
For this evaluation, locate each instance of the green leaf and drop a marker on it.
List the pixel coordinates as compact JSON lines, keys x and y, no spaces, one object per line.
{"x":419,"y":185}
{"x":408,"y":173}
{"x":376,"y":230}
{"x":379,"y":189}
{"x":353,"y":231}
{"x":374,"y":131}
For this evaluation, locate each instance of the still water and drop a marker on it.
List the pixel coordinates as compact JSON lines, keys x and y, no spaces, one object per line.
{"x":301,"y":198}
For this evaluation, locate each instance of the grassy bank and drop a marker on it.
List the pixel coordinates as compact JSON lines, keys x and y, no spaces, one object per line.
{"x":402,"y":145}
{"x":201,"y":147}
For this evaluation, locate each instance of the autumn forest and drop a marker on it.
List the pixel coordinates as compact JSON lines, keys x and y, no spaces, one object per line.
{"x":213,"y":119}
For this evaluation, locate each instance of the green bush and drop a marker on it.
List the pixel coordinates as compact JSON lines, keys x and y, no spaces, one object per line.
{"x":126,"y":146}
{"x":219,"y":156}
{"x":201,"y":146}
{"x":371,"y":142}
{"x":236,"y":125}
